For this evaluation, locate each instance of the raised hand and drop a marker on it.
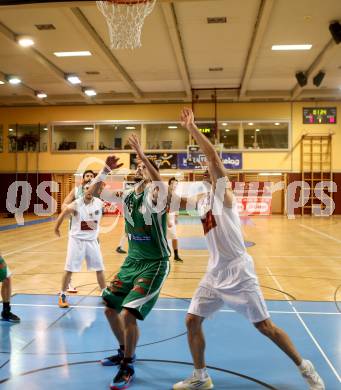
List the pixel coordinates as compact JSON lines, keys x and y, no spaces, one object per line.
{"x":187,"y":118}
{"x":111,"y":163}
{"x":135,"y":144}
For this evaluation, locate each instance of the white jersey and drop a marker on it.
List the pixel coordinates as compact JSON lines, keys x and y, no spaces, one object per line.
{"x":223,"y":233}
{"x":86,"y":219}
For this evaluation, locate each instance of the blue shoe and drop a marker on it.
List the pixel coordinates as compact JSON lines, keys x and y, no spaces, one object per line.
{"x":124,"y":377}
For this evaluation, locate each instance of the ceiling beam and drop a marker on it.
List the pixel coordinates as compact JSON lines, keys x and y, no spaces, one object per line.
{"x":257,"y":38}
{"x":12,"y":36}
{"x":175,"y":37}
{"x":323,"y":57}
{"x":107,"y":52}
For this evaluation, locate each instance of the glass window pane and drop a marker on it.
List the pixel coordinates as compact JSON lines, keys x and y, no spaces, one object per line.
{"x":115,"y":136}
{"x":23,"y":138}
{"x":228,"y":135}
{"x":262,"y":135}
{"x":208,"y":129}
{"x":43,"y":138}
{"x":73,"y":137}
{"x":166,"y":136}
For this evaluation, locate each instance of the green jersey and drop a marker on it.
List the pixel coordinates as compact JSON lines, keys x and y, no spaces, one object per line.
{"x":146,"y":230}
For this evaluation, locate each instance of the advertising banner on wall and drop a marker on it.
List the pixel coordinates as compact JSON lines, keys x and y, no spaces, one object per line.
{"x":162,"y":160}
{"x":230,"y":161}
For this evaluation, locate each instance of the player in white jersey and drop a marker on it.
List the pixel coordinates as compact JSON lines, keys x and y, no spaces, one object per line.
{"x":76,"y":193}
{"x":86,"y":213}
{"x":230,"y":276}
{"x":172,"y":222}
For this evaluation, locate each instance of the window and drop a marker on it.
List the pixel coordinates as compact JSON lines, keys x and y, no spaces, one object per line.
{"x":43,"y":138}
{"x":24,"y":137}
{"x":266,"y":135}
{"x":166,"y":136}
{"x":115,"y":136}
{"x":73,"y":137}
{"x":228,"y":134}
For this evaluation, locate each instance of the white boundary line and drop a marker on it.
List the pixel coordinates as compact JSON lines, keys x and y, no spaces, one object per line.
{"x":305,"y":326}
{"x":180,"y":310}
{"x":321,"y":233}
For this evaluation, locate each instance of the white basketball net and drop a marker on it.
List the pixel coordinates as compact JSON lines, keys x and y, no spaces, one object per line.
{"x":125,"y":20}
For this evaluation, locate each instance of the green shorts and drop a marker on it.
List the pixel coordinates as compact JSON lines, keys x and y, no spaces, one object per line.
{"x":137,"y":286}
{"x":4,"y":270}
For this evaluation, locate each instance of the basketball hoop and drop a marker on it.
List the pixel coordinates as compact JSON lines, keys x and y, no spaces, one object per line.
{"x":125,"y":20}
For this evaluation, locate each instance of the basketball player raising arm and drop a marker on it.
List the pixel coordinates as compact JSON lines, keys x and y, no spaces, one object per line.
{"x":230,"y":276}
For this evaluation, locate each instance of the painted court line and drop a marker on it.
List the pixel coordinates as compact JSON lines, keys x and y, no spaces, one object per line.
{"x":179,"y":310}
{"x":305,"y":327}
{"x":31,"y":246}
{"x":321,"y":233}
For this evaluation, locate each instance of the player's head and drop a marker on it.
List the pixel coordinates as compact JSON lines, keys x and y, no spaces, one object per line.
{"x":142,"y":173}
{"x":172,"y":183}
{"x":87,"y":195}
{"x":88,"y":175}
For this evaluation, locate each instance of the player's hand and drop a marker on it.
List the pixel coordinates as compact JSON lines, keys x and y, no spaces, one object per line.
{"x":112,"y":162}
{"x":187,"y":117}
{"x":135,"y":144}
{"x":56,"y":231}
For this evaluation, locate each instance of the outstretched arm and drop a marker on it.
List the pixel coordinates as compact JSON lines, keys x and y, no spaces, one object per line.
{"x":111,"y":162}
{"x":68,"y":199}
{"x":135,"y":144}
{"x":215,"y":166}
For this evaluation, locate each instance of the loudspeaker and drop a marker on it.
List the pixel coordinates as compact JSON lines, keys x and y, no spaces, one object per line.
{"x":335,"y":30}
{"x":317,"y":80}
{"x":301,"y":79}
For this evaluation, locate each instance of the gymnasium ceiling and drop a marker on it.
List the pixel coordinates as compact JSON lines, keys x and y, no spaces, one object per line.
{"x":178,"y":49}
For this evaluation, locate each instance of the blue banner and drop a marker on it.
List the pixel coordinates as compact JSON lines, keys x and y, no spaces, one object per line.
{"x":230,"y":161}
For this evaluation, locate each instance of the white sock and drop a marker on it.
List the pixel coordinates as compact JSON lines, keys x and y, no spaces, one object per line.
{"x":201,"y":373}
{"x":303,"y":365}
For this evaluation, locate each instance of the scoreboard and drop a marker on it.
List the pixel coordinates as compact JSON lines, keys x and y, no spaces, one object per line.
{"x":319,"y":115}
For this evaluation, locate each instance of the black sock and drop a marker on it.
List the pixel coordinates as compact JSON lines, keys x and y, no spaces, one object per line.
{"x":176,"y":254}
{"x":122,"y":348}
{"x":127,"y":360}
{"x":6,"y":307}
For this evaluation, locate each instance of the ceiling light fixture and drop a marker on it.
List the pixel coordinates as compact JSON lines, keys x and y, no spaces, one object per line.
{"x":2,"y":82}
{"x":130,"y":127}
{"x":89,"y":91}
{"x":25,"y":41}
{"x":277,"y":123}
{"x":224,"y":124}
{"x":291,"y":47}
{"x":73,"y":79}
{"x":41,"y":95}
{"x":250,"y":123}
{"x":172,"y":127}
{"x":72,"y":53}
{"x":14,"y":80}
{"x":257,"y":130}
{"x":88,"y":128}
{"x":227,"y":130}
{"x":46,"y":128}
{"x":10,"y":129}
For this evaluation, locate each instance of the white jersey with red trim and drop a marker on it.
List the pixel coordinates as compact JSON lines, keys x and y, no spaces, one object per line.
{"x":86,"y":219}
{"x":222,"y":229}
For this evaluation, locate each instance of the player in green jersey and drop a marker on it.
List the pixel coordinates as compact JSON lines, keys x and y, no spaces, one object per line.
{"x":135,"y":288}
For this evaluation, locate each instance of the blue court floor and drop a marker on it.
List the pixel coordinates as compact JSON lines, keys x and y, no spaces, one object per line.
{"x":60,"y":349}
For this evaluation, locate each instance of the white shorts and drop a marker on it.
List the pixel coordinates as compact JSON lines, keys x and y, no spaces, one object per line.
{"x":171,"y":232}
{"x":78,"y":250}
{"x":237,"y":286}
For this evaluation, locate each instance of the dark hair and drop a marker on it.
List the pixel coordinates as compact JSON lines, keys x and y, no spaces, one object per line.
{"x":89,"y":171}
{"x":171,"y":180}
